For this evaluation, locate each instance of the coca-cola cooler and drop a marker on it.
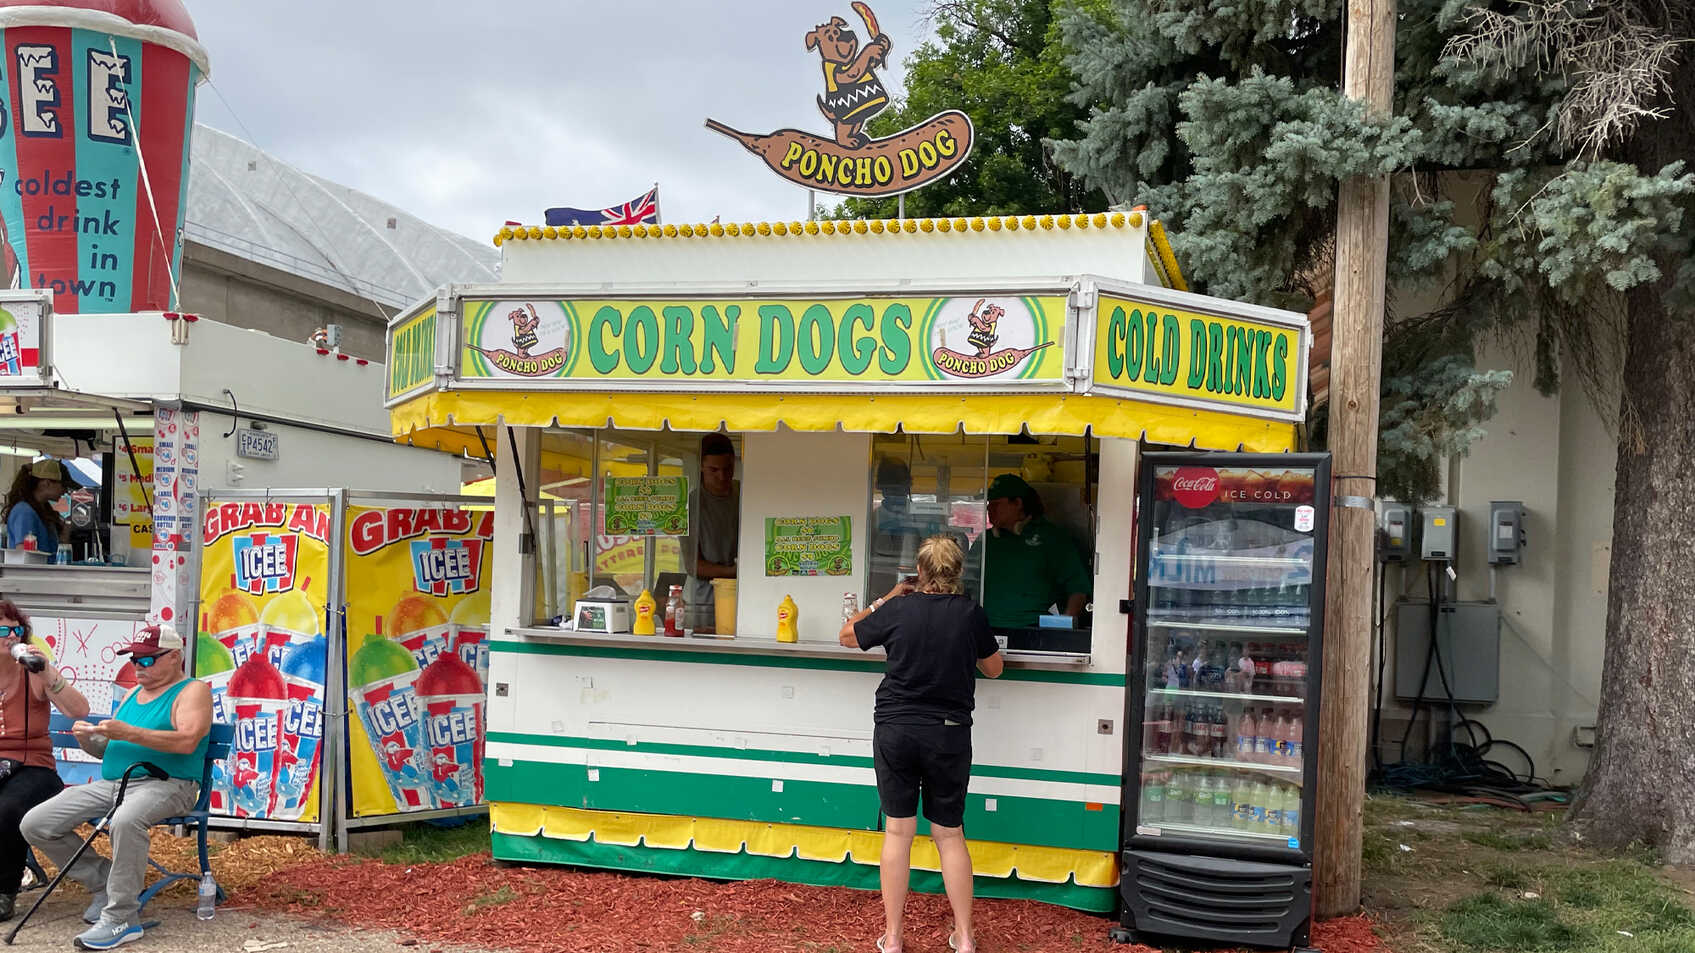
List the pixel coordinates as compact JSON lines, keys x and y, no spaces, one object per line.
{"x":1224,"y":684}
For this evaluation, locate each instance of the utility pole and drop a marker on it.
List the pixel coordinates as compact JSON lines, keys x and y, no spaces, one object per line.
{"x":1362,"y":247}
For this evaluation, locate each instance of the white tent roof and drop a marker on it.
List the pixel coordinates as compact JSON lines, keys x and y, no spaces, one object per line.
{"x":251,"y":204}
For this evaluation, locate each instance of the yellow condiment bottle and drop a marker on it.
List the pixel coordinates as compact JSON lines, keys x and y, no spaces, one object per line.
{"x":788,"y":620}
{"x":645,"y":607}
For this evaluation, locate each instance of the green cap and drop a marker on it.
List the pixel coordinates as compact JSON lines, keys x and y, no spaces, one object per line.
{"x":1010,"y":486}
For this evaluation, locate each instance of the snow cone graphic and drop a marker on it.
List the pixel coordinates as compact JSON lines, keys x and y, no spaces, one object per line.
{"x":450,"y":699}
{"x":289,"y":618}
{"x":259,"y":697}
{"x":420,"y":625}
{"x":233,"y":621}
{"x":303,"y":670}
{"x":94,"y":88}
{"x":215,"y":665}
{"x":468,"y":633}
{"x":382,"y":674}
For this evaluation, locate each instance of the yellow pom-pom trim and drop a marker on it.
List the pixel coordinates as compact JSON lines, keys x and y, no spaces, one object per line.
{"x":1063,"y":221}
{"x":1028,"y":221}
{"x":1135,"y":219}
{"x":945,"y":225}
{"x":550,"y":232}
{"x":1117,"y":219}
{"x":1081,"y":221}
{"x":593,"y":231}
{"x":781,"y":228}
{"x":498,"y":240}
{"x":1100,"y":220}
{"x":1046,"y":221}
{"x":976,"y":224}
{"x":911,"y":225}
{"x":764,"y":228}
{"x":535,"y":232}
{"x":812,"y":228}
{"x":859,"y":227}
{"x":829,"y":227}
{"x":670,"y":231}
{"x":994,"y":224}
{"x":876,"y":226}
{"x":928,"y":225}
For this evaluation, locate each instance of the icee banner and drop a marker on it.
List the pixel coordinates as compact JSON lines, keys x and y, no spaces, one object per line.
{"x":90,"y":94}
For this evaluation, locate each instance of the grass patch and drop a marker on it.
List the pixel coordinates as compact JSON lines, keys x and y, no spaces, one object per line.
{"x":1485,"y":921}
{"x":1511,"y":842}
{"x":1506,"y":876}
{"x":429,"y":844}
{"x":492,"y":899}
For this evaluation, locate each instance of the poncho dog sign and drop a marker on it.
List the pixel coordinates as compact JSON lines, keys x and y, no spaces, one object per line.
{"x":850,"y":162}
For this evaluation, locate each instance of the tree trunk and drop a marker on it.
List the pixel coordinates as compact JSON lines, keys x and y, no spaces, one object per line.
{"x":1638,"y":783}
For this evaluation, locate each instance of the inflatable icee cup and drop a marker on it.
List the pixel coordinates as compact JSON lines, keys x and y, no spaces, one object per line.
{"x":95,"y":89}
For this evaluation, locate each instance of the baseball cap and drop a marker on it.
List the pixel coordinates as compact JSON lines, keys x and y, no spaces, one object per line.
{"x":1009,"y":486}
{"x":154,"y":640}
{"x":48,"y":468}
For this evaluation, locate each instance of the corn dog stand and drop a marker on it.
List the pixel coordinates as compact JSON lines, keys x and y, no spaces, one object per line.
{"x":869,"y":375}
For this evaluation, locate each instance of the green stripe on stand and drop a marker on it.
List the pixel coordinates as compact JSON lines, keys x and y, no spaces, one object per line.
{"x":689,"y":862}
{"x":776,"y":660}
{"x":1015,"y":820}
{"x":784,"y":757}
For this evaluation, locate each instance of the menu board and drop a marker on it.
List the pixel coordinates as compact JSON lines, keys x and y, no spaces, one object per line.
{"x":647,"y":506}
{"x":808,"y":545}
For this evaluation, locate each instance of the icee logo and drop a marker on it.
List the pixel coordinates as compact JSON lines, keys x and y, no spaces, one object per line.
{"x":443,"y":565}
{"x":264,"y":562}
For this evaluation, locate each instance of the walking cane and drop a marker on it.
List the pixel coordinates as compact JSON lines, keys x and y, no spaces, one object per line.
{"x":99,"y":826}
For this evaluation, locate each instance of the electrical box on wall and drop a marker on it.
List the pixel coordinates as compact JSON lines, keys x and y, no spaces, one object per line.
{"x":1438,"y":533}
{"x":1506,"y":532}
{"x":1397,"y":533}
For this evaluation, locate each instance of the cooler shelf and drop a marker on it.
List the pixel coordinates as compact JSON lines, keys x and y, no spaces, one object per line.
{"x":1227,"y":696}
{"x":1284,"y":773}
{"x":1178,"y":827}
{"x":1229,"y":626}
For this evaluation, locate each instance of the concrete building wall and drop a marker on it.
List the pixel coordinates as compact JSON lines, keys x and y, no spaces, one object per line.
{"x":250,"y":294}
{"x":1557,"y":455}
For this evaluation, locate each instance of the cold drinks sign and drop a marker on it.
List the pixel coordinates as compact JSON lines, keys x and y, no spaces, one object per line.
{"x":93,"y":95}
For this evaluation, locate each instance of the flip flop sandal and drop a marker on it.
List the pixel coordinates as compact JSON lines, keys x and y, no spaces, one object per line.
{"x":880,"y":944}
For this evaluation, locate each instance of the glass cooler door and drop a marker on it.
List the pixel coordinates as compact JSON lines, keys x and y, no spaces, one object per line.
{"x":1228,"y":641}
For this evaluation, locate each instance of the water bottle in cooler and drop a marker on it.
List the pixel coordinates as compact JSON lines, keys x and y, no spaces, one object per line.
{"x":1223,"y":803}
{"x":1153,"y":797}
{"x":1179,"y":803}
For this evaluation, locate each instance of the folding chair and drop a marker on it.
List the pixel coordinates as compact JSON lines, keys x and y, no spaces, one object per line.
{"x":217,"y":749}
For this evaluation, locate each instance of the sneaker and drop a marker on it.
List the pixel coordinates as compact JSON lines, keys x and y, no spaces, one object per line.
{"x":92,"y":914}
{"x":8,"y":905}
{"x":105,"y":935}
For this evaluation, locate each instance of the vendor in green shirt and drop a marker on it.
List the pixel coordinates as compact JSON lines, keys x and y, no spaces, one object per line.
{"x":1031,"y":563}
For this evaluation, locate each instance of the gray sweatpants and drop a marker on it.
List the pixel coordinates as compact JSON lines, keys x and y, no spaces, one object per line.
{"x":49,"y":826}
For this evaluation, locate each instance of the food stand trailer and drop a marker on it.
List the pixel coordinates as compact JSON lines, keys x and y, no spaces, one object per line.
{"x":873,"y":377}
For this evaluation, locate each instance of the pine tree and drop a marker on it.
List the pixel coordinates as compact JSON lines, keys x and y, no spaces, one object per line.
{"x":1538,"y":155}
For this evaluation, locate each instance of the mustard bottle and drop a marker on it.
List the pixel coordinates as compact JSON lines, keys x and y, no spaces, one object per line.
{"x":645,"y":607}
{"x":788,"y":620}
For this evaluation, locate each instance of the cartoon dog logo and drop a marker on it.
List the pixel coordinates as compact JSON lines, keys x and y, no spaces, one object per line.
{"x":848,"y":161}
{"x":524,"y":329}
{"x":983,"y":323}
{"x":852,"y":92}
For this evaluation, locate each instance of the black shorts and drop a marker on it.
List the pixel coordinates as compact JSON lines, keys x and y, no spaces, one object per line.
{"x":932,"y":759}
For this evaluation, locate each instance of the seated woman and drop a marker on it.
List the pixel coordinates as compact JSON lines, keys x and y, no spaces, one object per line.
{"x":27,"y":773}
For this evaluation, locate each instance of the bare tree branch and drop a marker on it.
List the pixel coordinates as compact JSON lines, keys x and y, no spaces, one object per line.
{"x":1617,"y":57}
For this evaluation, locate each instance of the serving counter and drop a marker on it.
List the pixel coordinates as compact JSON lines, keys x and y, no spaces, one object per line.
{"x":114,"y":592}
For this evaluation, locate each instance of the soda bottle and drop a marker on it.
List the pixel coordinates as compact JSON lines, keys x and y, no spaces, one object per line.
{"x":1280,"y":739}
{"x":1291,"y":811}
{"x":1162,"y":729}
{"x":420,"y":626}
{"x":1220,"y":743}
{"x":11,"y":352}
{"x":1247,"y":737}
{"x":382,"y":674}
{"x":1259,"y":803}
{"x":1265,"y":744}
{"x":1179,"y":802}
{"x":450,"y":699}
{"x":1222,"y":804}
{"x":303,"y":725}
{"x":1153,"y":797}
{"x":1201,"y":790}
{"x":1241,"y":794}
{"x":290,"y":617}
{"x":1296,"y":754}
{"x":259,"y":698}
{"x":1274,"y":810}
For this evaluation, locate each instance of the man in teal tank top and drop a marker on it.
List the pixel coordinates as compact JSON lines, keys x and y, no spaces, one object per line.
{"x":165,"y":721}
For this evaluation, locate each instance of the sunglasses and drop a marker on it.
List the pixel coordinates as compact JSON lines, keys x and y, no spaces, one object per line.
{"x":15,"y":631}
{"x":147,"y":661}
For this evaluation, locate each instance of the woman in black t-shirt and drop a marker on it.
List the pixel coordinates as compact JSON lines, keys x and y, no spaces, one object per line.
{"x":936,"y":640}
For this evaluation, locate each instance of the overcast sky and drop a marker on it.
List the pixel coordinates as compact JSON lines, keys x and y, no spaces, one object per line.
{"x":469,"y":114}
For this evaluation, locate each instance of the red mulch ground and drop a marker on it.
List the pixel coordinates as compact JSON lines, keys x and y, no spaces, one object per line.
{"x":473,"y":901}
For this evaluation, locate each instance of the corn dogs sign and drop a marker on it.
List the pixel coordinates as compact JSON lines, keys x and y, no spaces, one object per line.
{"x":851,"y":163}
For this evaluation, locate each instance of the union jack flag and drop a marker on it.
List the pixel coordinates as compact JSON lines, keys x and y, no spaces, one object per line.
{"x":641,"y":210}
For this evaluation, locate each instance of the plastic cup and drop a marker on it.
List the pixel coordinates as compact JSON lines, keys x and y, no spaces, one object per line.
{"x":724,"y":606}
